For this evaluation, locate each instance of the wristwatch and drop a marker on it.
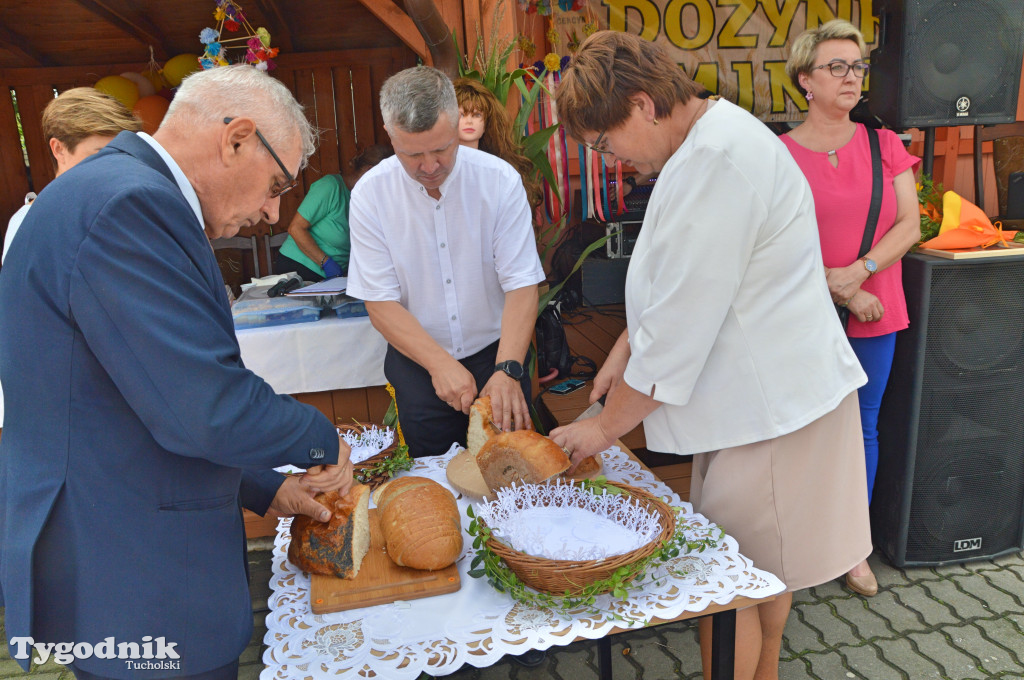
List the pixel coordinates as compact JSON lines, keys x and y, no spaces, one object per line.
{"x":511,"y":368}
{"x":870,"y":265}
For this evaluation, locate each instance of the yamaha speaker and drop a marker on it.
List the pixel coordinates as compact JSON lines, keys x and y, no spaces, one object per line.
{"x":950,"y":484}
{"x":947,"y":62}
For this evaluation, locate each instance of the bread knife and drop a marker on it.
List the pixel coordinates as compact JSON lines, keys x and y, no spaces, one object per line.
{"x":591,"y":411}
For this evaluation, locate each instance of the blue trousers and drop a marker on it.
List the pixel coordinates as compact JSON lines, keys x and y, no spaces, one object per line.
{"x":875,"y":355}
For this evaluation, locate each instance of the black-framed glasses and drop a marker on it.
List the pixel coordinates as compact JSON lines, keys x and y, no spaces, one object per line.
{"x":840,"y":68}
{"x":292,"y":181}
{"x":598,"y":146}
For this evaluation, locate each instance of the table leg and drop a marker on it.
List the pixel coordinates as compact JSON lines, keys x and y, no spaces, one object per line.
{"x":723,"y":645}
{"x":604,"y":657}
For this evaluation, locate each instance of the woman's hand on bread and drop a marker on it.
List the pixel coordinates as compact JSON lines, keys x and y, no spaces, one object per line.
{"x":508,"y":404}
{"x":583,"y":439}
{"x":292,"y":498}
{"x":321,"y":478}
{"x":454,"y":385}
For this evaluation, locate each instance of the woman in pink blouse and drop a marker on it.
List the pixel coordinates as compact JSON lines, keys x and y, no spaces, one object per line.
{"x":827,"y":64}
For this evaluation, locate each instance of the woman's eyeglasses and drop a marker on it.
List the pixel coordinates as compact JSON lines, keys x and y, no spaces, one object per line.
{"x":840,"y":68}
{"x":292,"y":181}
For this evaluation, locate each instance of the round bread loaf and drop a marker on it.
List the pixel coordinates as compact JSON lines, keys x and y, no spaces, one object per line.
{"x":336,"y":547}
{"x":520,"y":457}
{"x":420,"y":523}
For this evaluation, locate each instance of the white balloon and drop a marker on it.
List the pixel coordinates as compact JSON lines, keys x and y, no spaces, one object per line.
{"x":142,"y":82}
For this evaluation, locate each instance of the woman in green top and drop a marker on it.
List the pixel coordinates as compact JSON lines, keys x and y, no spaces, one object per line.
{"x":318,"y":244}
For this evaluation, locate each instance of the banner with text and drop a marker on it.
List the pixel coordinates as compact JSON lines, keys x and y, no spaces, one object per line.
{"x":735,"y":48}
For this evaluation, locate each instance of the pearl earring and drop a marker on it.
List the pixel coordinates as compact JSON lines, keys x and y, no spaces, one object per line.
{"x":810,"y":95}
{"x":655,"y":121}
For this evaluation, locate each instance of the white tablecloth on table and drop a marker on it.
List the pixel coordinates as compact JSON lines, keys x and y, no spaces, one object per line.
{"x":478,"y":625}
{"x":318,"y":356}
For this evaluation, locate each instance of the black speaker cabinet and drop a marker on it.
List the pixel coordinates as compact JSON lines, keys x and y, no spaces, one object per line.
{"x":947,"y":62}
{"x":950,"y":484}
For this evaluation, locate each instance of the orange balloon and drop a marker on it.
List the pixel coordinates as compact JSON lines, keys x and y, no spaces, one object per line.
{"x":151,"y":110}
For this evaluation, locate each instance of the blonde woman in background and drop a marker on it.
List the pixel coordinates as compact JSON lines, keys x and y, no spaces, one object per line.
{"x":77,"y":124}
{"x":827,"y":63}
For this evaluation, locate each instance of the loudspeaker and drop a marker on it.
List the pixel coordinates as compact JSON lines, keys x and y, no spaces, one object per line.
{"x":950,"y":484}
{"x":947,"y":62}
{"x":604,"y":280}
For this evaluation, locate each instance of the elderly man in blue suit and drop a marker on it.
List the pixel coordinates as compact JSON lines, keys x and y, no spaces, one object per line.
{"x":133,"y":431}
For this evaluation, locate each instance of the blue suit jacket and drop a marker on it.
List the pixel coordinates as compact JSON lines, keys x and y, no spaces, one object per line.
{"x":130,"y":420}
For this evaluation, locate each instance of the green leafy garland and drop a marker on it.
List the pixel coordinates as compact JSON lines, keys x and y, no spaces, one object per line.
{"x":390,"y":465}
{"x":487,"y":564}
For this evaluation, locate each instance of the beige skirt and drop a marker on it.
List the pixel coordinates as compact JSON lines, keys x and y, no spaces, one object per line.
{"x":798,"y":504}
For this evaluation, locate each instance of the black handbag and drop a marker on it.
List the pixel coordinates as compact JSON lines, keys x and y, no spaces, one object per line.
{"x":876,"y":206}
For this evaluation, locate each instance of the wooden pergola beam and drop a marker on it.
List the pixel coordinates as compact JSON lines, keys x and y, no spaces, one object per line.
{"x":280,"y":30}
{"x":395,"y":18}
{"x":137,"y":27}
{"x":21,"y":46}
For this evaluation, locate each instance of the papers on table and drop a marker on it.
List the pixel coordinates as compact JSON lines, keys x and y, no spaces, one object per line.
{"x":329,"y":287}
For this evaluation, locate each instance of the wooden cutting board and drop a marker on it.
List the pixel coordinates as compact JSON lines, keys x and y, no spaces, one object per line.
{"x":380,"y":581}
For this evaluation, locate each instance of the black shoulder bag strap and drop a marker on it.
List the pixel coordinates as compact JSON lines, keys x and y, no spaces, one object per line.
{"x":876,"y":192}
{"x":873,"y":210}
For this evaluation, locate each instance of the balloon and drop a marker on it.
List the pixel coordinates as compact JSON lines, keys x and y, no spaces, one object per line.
{"x":178,"y":68}
{"x":156,"y":79}
{"x":151,"y":110}
{"x":145,"y":87}
{"x":121,"y":89}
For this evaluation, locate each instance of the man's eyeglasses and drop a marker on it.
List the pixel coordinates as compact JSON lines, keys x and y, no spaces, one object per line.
{"x":599,"y":145}
{"x":840,"y":68}
{"x":292,"y":182}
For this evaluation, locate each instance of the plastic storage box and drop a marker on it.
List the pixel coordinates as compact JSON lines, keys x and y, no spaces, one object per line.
{"x":345,"y":306}
{"x":254,"y":309}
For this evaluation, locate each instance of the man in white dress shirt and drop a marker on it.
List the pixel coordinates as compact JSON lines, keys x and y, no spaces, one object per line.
{"x":444,"y":255}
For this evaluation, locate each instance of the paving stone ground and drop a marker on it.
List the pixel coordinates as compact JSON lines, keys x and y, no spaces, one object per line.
{"x":957,"y":622}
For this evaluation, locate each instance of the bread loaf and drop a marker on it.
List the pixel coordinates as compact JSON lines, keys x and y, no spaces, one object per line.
{"x":588,"y":468}
{"x":520,"y":457}
{"x":420,"y":523}
{"x":336,"y":547}
{"x":480,"y":429}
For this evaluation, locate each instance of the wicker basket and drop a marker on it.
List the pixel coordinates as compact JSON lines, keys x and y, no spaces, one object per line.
{"x":360,"y":470}
{"x":570,"y":577}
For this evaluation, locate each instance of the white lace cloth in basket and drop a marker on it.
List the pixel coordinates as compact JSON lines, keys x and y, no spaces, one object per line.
{"x":478,"y":625}
{"x":565,"y":522}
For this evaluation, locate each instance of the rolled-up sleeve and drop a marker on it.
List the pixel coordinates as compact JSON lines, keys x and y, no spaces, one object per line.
{"x":515,"y":248}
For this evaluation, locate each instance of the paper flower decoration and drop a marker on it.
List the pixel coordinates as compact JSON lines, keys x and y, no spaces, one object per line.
{"x":254,"y":41}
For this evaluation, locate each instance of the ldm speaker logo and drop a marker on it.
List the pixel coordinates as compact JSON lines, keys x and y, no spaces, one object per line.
{"x":966,"y":544}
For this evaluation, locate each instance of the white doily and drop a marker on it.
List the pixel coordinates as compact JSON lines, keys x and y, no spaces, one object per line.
{"x":478,"y":625}
{"x":365,"y":445}
{"x":564,"y":522}
{"x":368,"y":443}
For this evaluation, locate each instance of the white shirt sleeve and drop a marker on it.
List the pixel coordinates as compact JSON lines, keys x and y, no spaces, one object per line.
{"x":371,"y":271}
{"x":515,"y":247}
{"x":703,"y":230}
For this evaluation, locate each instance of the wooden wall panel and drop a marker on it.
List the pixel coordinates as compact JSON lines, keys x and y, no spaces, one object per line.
{"x":364,"y":131}
{"x":327,"y":119}
{"x":13,"y":177}
{"x":343,"y":114}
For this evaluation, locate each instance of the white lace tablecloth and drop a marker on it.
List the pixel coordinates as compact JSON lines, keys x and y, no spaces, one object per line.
{"x":478,"y":625}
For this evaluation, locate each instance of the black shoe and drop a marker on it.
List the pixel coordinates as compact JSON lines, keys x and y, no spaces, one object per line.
{"x":532,"y":658}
